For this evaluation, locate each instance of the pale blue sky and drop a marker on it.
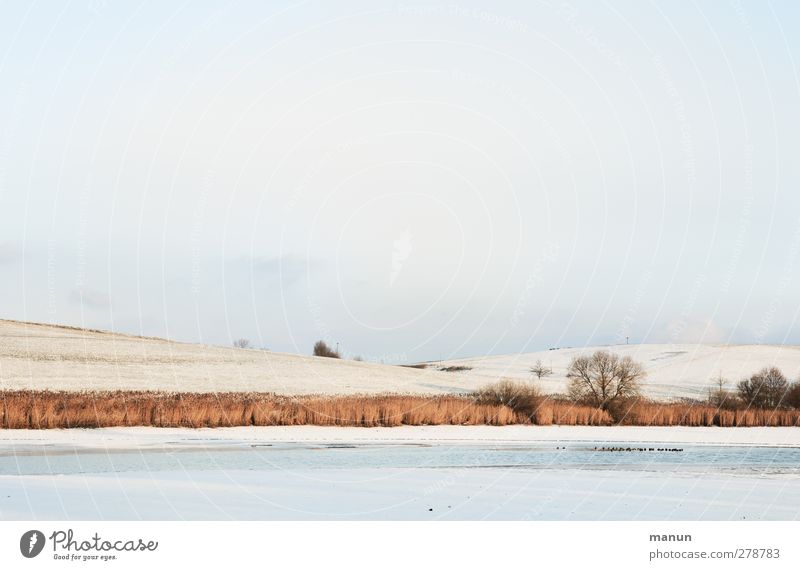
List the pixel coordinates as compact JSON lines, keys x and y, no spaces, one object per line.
{"x":414,"y":180}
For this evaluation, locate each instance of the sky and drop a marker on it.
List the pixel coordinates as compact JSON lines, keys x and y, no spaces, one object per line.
{"x":408,"y":180}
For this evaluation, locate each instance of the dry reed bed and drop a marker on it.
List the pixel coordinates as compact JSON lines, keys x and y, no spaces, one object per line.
{"x":46,"y":409}
{"x":648,"y":413}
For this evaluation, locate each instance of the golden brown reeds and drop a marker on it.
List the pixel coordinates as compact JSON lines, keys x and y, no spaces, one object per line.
{"x":50,"y":409}
{"x":651,"y":413}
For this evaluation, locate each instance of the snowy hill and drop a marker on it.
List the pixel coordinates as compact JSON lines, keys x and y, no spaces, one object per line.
{"x":38,"y":356}
{"x":673,"y":370}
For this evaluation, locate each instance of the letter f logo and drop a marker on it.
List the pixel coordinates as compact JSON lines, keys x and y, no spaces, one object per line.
{"x":31,"y":543}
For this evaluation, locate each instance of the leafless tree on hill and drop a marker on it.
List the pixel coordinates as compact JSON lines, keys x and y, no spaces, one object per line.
{"x":603,"y":378}
{"x":540,"y":370}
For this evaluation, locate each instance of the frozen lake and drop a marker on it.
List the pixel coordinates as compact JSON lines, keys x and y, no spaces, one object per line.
{"x":288,"y":457}
{"x":246,"y":475}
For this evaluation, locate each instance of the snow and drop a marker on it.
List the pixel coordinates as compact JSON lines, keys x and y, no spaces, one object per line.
{"x":182,"y":474}
{"x":399,"y":494}
{"x":143,"y":437}
{"x":34,"y":356}
{"x":39,"y":356}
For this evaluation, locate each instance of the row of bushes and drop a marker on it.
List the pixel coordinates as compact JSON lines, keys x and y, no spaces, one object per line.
{"x":505,"y":403}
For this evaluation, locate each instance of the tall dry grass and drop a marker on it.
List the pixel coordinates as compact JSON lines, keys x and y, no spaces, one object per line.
{"x":650,"y":413}
{"x":45,"y":409}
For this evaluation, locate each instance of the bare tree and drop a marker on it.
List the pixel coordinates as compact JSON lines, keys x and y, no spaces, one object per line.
{"x":322,"y":349}
{"x":540,"y":370}
{"x":241,"y":343}
{"x":764,"y":389}
{"x":603,"y":378}
{"x":719,"y":395}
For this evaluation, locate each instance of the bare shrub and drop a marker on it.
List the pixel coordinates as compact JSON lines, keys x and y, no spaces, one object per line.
{"x":764,"y":389}
{"x":322,"y":349}
{"x":602,"y":378}
{"x":242,"y":343}
{"x":521,"y":398}
{"x":455,"y":368}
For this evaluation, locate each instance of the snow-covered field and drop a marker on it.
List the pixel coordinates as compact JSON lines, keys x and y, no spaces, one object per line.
{"x":417,"y":473}
{"x":60,"y":358}
{"x":52,"y":357}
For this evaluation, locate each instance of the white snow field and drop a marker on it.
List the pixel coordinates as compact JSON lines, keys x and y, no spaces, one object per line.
{"x":407,"y":473}
{"x":38,"y":356}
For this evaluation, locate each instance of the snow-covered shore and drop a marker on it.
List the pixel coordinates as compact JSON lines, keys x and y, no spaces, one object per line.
{"x":136,"y":437}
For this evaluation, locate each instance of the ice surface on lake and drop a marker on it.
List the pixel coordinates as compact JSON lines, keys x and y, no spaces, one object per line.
{"x":291,"y":457}
{"x":394,"y":481}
